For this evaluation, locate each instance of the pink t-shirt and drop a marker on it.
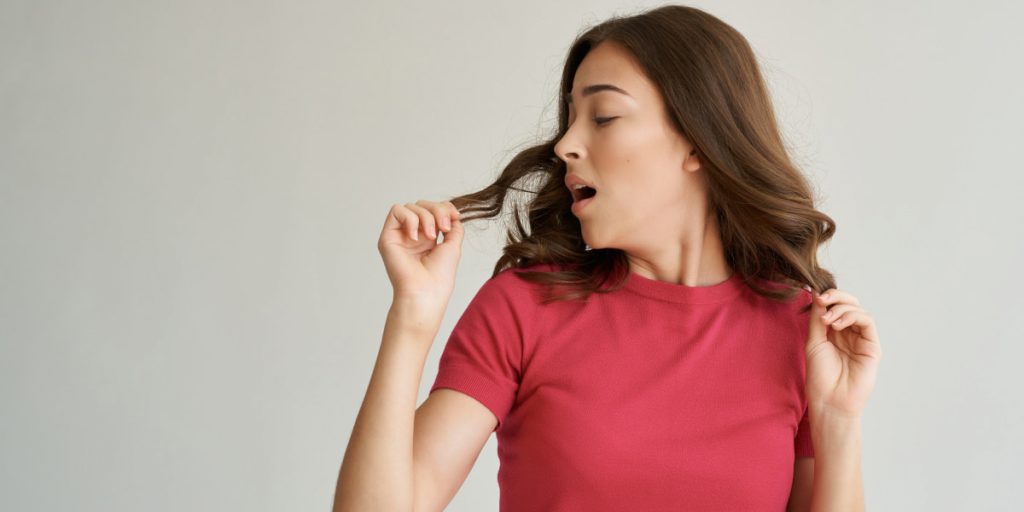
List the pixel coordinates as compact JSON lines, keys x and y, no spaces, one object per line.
{"x":657,"y":396}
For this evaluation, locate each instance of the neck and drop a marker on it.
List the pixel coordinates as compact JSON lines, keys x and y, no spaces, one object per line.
{"x":698,"y":259}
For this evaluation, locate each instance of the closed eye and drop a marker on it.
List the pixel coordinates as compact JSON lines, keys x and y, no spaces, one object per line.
{"x":601,"y":121}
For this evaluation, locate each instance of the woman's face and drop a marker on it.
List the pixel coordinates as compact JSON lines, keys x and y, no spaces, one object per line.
{"x":645,"y":177}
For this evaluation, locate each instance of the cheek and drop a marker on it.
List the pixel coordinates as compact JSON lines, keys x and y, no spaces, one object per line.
{"x":637,"y":170}
{"x":655,"y":173}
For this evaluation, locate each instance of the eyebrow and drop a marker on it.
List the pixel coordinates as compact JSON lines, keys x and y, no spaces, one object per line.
{"x":591,"y":89}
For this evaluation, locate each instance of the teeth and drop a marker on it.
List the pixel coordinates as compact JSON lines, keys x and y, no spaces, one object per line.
{"x":577,"y":187}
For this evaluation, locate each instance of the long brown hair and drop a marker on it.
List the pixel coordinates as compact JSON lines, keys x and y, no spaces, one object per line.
{"x":715,"y":96}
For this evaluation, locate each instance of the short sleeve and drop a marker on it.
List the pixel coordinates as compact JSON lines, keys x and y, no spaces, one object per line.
{"x":804,"y":446}
{"x":483,"y":355}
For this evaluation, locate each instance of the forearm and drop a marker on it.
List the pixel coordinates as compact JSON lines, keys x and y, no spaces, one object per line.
{"x":377,"y":470}
{"x":837,"y":479}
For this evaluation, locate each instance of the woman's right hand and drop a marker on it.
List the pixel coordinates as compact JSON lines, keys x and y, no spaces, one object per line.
{"x":420,"y":269}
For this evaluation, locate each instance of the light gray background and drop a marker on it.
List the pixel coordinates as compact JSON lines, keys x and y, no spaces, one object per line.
{"x":191,"y":298}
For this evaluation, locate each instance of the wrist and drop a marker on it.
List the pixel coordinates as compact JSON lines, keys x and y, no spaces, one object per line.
{"x":416,"y":314}
{"x":829,"y":427}
{"x":826,"y":413}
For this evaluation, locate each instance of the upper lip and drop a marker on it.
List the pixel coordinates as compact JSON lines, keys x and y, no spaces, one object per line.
{"x":571,"y":180}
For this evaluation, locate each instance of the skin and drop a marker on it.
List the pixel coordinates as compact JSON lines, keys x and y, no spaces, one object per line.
{"x":669,"y":236}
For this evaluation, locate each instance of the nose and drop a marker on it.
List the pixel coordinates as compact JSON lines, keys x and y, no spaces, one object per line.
{"x":567,"y":149}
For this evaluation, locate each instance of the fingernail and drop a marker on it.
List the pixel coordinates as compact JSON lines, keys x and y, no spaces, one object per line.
{"x":446,"y":222}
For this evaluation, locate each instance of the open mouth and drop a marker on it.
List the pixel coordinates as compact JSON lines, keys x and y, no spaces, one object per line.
{"x":579,"y":194}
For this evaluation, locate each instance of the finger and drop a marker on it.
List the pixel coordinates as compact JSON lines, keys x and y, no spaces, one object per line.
{"x":408,"y":221}
{"x":426,"y":219}
{"x":451,"y":212}
{"x":835,"y":295}
{"x":455,"y":234}
{"x":860,"y":319}
{"x":455,"y":213}
{"x":837,"y":311}
{"x":440,"y":213}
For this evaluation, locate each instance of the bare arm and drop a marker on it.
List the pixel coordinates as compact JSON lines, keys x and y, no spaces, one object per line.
{"x":377,"y":470}
{"x":837,"y":480}
{"x":381,"y":470}
{"x":401,"y":459}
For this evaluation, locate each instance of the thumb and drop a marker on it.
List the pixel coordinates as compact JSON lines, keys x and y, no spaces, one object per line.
{"x":448,"y":251}
{"x":455,"y":235}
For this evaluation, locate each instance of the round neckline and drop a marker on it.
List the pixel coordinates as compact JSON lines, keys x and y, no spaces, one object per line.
{"x":684,"y":294}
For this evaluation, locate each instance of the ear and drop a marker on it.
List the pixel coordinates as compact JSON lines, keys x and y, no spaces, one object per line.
{"x":692,"y":161}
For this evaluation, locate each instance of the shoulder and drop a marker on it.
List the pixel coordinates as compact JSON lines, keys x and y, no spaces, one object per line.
{"x":515,"y":293}
{"x":789,"y":311}
{"x":795,"y":306}
{"x":507,"y":307}
{"x":510,"y":280}
{"x":802,"y":296}
{"x":510,"y":288}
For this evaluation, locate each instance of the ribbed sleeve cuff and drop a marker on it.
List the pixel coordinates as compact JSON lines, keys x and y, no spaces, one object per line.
{"x":496,"y":396}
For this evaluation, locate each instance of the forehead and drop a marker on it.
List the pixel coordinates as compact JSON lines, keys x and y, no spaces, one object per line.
{"x":611,"y":64}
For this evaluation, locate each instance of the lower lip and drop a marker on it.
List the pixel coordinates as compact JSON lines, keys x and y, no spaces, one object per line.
{"x":579,"y":205}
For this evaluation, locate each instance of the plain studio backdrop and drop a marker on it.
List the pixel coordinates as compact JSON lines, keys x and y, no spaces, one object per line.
{"x":191,"y":297}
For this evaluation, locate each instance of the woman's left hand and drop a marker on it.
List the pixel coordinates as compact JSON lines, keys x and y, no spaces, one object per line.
{"x":842,"y":353}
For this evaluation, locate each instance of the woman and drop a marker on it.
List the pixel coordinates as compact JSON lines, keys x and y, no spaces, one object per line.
{"x":642,"y":344}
